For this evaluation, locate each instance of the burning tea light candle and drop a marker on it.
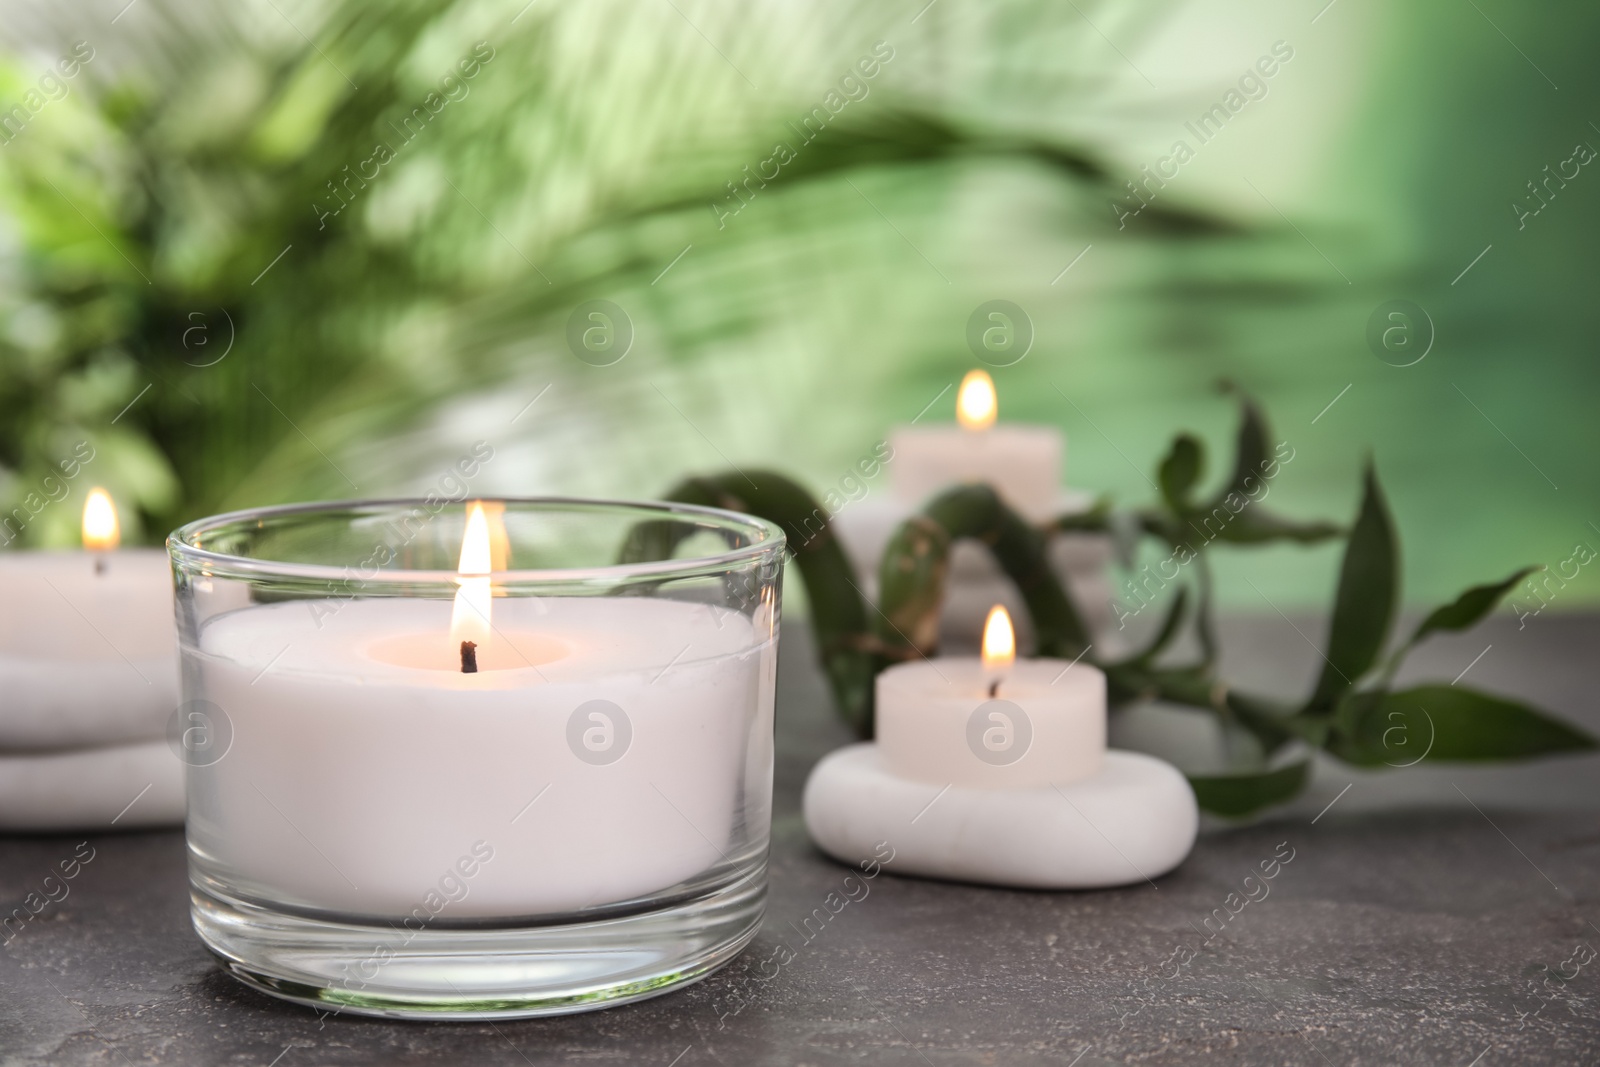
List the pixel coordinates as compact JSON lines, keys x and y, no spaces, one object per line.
{"x":447,"y":719}
{"x":88,"y":655}
{"x":513,"y":760}
{"x":994,"y":770}
{"x":1028,"y":724}
{"x":88,"y":681}
{"x":1023,"y":463}
{"x":1024,"y":466}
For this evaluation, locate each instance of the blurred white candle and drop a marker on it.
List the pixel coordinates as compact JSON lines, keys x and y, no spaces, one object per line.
{"x":88,"y":653}
{"x":1023,"y":463}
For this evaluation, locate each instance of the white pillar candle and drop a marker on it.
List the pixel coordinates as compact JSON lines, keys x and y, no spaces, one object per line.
{"x":1024,"y":466}
{"x":1022,"y":463}
{"x":364,"y":764}
{"x":992,"y":722}
{"x":88,"y":652}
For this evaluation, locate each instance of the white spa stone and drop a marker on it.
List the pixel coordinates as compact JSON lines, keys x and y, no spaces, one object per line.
{"x":118,"y":787}
{"x":1134,"y":820}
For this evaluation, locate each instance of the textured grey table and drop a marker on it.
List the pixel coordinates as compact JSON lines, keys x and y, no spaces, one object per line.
{"x":1409,"y":927}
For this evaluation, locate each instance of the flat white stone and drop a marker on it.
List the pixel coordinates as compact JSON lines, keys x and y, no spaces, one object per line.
{"x":47,"y":706}
{"x":123,"y":787}
{"x":1133,"y":821}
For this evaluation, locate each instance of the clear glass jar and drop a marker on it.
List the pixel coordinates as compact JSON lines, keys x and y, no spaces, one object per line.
{"x":572,"y":813}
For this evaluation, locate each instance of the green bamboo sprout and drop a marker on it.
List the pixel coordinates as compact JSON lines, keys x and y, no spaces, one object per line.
{"x":1363,"y":724}
{"x":914,"y":568}
{"x":850,"y":657}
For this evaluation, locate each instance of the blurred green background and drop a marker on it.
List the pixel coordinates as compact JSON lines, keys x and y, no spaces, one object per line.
{"x":180,"y":291}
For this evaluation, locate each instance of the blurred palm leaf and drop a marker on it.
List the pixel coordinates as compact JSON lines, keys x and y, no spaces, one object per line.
{"x":181,"y":200}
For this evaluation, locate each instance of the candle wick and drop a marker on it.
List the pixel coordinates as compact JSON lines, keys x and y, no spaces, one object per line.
{"x":994,"y":689}
{"x":469,"y":657}
{"x":99,"y":563}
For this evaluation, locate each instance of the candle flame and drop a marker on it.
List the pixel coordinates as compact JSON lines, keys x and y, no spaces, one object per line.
{"x":976,"y":404}
{"x":499,"y":541}
{"x":469,"y":618}
{"x":999,"y":639}
{"x":100,"y":528}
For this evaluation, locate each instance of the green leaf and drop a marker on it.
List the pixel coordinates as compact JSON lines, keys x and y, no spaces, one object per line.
{"x":1236,"y":795}
{"x":1470,"y":607}
{"x":1253,"y":468}
{"x":1364,"y":606}
{"x":1358,"y":733}
{"x":1097,"y":519}
{"x":1180,"y":471}
{"x":1447,"y":723}
{"x":1254,"y":526}
{"x":1250,"y":454}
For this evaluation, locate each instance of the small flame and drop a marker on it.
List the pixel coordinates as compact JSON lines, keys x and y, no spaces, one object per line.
{"x":469,"y":618}
{"x":976,"y":405}
{"x":100,"y":528}
{"x":999,"y":640}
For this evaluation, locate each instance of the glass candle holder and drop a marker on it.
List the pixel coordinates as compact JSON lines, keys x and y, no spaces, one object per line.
{"x":477,"y":759}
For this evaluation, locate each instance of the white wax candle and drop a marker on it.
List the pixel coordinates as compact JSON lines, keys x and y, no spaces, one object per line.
{"x":363,"y":764}
{"x":1022,"y":463}
{"x":1045,"y":723}
{"x":88,"y":654}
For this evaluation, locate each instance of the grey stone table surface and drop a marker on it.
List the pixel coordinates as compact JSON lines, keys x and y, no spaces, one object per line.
{"x":1429,"y":916}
